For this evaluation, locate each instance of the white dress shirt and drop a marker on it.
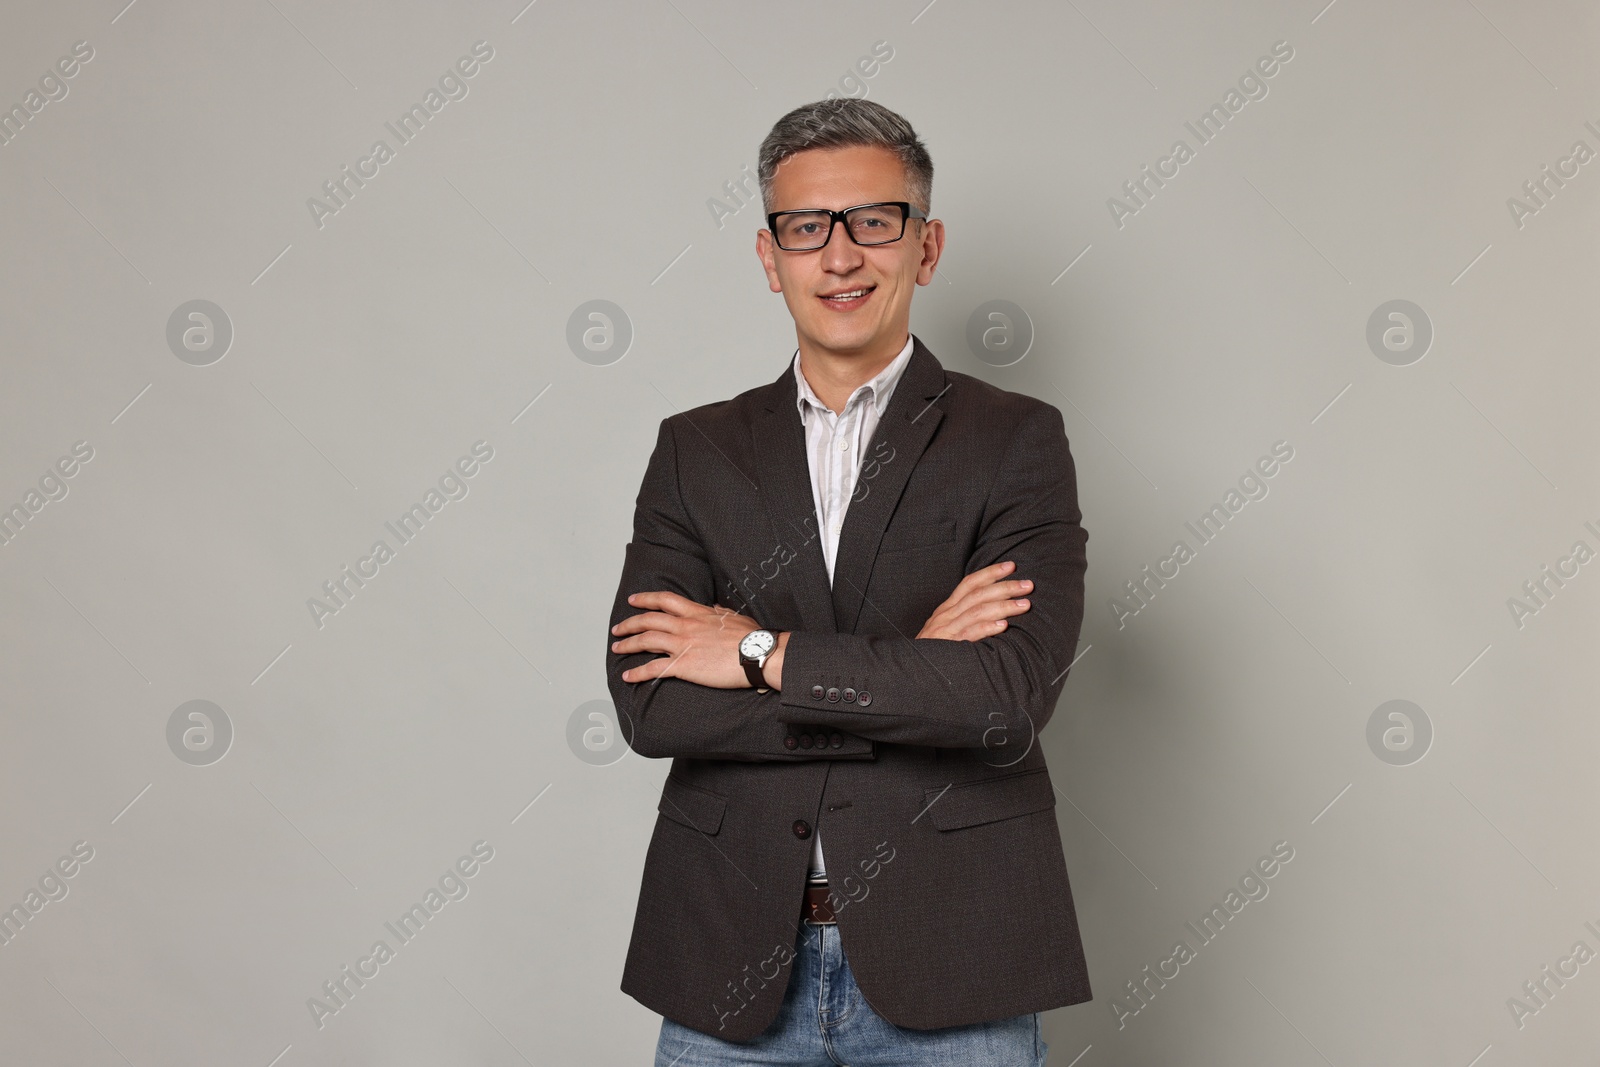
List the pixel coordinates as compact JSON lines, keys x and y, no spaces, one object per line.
{"x":834,"y":443}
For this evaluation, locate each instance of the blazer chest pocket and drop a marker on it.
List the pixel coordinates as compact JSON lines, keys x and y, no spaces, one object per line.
{"x":918,"y":535}
{"x":990,"y":800}
{"x":696,"y":808}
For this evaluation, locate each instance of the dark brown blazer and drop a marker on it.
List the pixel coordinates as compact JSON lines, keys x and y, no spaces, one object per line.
{"x":918,"y":760}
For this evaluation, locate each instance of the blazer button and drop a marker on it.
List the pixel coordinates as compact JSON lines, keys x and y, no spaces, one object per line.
{"x":849,"y":696}
{"x":833,"y":696}
{"x":835,"y":740}
{"x":802,"y":829}
{"x":805,"y":741}
{"x":863,"y":698}
{"x":791,"y":741}
{"x":816,"y":692}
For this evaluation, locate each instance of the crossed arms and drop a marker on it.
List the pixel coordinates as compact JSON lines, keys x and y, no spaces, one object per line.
{"x":985,"y":669}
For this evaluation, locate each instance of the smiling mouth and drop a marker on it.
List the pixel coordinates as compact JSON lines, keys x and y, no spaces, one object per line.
{"x":850,"y":299}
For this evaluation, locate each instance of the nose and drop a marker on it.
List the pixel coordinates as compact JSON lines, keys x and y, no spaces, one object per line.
{"x":840,"y":255}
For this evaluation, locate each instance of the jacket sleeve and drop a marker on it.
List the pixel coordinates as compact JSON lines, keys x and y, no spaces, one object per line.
{"x":995,"y":692}
{"x":669,"y":717}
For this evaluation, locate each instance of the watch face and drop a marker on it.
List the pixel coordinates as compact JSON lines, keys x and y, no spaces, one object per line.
{"x":757,"y":643}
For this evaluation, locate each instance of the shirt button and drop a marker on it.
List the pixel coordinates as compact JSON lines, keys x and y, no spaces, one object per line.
{"x":844,"y":445}
{"x":816,"y":692}
{"x":802,"y":829}
{"x":863,"y":698}
{"x":833,"y":696}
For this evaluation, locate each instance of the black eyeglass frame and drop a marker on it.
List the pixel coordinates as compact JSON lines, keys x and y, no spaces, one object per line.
{"x":907,"y":213}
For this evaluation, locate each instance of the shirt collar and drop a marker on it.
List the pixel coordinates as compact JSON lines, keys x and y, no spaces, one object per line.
{"x":881,"y":387}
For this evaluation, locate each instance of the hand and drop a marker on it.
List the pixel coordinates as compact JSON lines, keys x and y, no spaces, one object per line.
{"x":979,"y":605}
{"x":701,"y":643}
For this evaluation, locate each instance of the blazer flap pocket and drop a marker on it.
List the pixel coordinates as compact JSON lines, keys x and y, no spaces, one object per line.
{"x":972,"y":803}
{"x":692,"y":806}
{"x":918,"y":535}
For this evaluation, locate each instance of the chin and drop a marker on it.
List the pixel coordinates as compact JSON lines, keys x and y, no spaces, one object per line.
{"x":844,"y":337}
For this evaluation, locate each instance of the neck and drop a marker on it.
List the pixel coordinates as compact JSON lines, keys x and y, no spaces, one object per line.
{"x":834,"y":375}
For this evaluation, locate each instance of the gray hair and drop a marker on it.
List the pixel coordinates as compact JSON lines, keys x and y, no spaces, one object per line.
{"x":844,"y":122}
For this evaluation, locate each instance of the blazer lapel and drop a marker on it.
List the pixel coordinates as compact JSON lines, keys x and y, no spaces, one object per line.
{"x":784,"y":474}
{"x":901,"y":437}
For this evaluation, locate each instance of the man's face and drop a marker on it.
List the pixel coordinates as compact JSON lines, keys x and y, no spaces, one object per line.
{"x":839,"y":178}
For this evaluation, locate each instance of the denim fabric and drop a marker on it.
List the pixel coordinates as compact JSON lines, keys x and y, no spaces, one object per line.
{"x":826,"y":1022}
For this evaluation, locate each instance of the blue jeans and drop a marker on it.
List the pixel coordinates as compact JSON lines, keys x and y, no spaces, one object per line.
{"x":826,"y":1022}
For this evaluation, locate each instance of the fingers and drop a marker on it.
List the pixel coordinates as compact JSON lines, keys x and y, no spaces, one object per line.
{"x":1010,"y":588}
{"x":982,"y":576}
{"x":981,"y":604}
{"x":996,"y":609}
{"x":661,"y":600}
{"x":650,"y":641}
{"x":977,"y":631}
{"x":1007,"y":589}
{"x":649,"y":620}
{"x":659,"y":667}
{"x":981,"y":579}
{"x":988,"y":619}
{"x":975,"y":624}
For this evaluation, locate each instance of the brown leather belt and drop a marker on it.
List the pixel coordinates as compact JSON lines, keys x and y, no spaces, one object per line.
{"x":816,"y":908}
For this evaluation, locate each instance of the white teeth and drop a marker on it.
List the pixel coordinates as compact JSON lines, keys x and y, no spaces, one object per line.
{"x":847,"y":296}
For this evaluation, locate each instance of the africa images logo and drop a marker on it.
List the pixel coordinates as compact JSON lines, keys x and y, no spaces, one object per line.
{"x":1207,"y":528}
{"x":1252,"y":85}
{"x":452,"y":885}
{"x":452,"y":485}
{"x":453,"y":85}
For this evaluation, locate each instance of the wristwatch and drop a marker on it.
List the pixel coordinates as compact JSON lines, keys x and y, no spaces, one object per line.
{"x":754,"y":649}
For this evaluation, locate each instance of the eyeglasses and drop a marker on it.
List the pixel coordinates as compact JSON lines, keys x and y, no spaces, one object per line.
{"x":867,"y":224}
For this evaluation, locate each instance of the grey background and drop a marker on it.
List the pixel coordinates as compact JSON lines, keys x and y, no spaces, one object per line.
{"x":435,"y":709}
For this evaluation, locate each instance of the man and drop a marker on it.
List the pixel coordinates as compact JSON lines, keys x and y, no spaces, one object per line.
{"x":849,"y":606}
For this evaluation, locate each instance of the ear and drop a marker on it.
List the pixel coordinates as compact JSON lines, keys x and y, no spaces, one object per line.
{"x":766,"y":251}
{"x":932,"y":249}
